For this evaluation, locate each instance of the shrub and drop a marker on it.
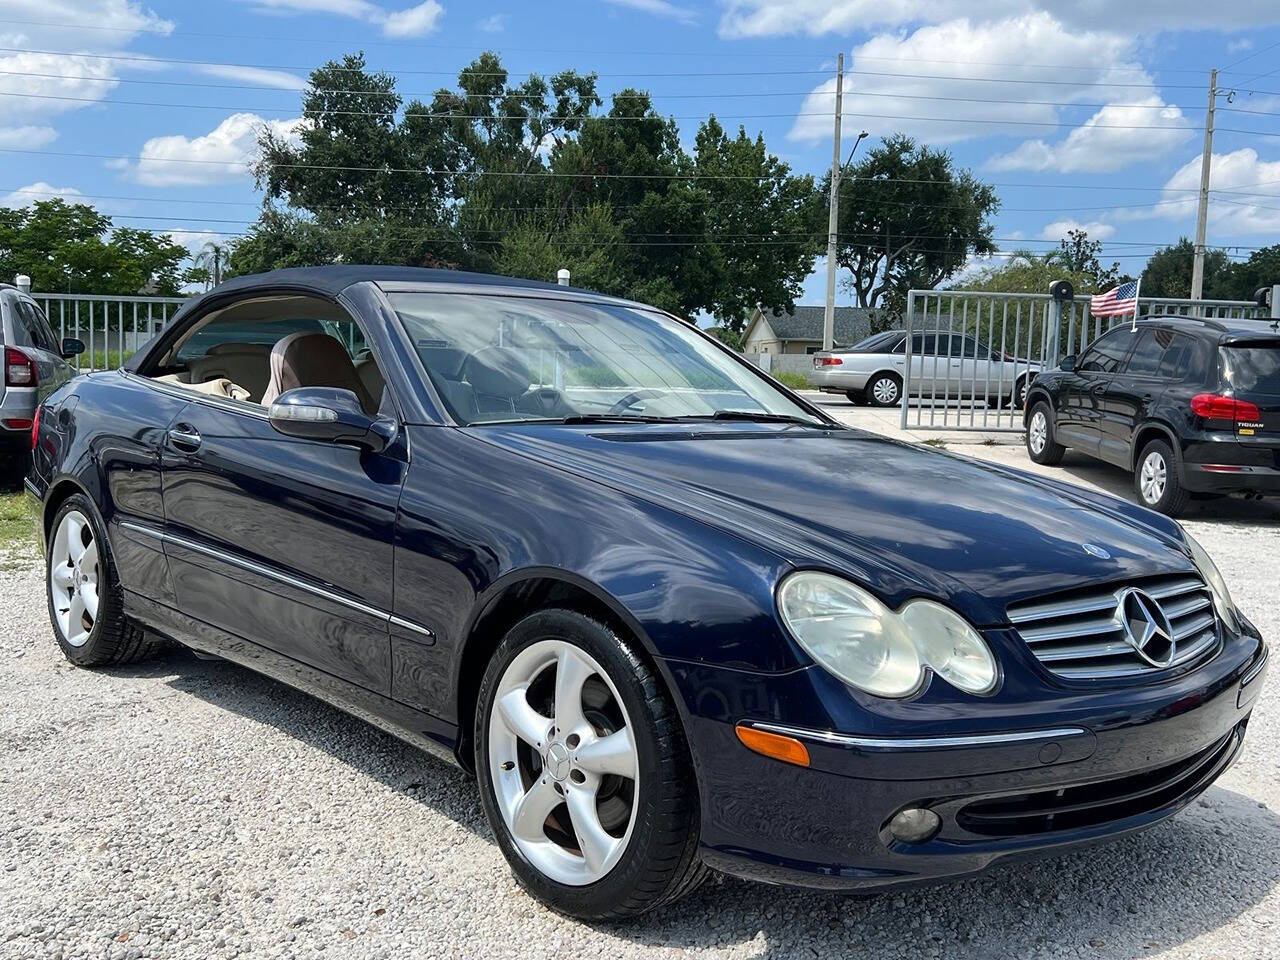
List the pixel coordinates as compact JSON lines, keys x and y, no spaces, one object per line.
{"x":788,"y":378}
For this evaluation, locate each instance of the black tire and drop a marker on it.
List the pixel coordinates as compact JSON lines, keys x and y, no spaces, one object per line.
{"x":1018,"y":398}
{"x":13,"y":467}
{"x":660,"y":863}
{"x":856,"y":397}
{"x":1169,"y":497}
{"x":888,"y":385}
{"x":113,"y":639}
{"x":1051,"y":452}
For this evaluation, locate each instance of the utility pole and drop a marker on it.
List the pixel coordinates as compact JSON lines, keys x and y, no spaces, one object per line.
{"x":1202,"y":215}
{"x":833,"y":218}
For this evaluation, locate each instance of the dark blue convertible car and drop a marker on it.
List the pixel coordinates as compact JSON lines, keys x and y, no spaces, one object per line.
{"x":673,"y":616}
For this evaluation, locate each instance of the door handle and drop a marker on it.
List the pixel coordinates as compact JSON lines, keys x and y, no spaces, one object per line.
{"x":184,"y":437}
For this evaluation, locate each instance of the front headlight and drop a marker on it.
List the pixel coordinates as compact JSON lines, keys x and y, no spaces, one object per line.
{"x":1222,"y":601}
{"x":857,"y":638}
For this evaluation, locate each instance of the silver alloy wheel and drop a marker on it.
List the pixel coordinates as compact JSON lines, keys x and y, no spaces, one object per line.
{"x":565,"y":778}
{"x":885,"y":390}
{"x":1153,"y":477}
{"x":1038,"y":432}
{"x":74,"y":576}
{"x":1020,"y":394}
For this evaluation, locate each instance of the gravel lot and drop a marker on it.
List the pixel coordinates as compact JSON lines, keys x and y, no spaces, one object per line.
{"x":184,"y":808}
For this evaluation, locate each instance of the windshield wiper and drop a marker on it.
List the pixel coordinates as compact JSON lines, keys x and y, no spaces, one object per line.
{"x":762,"y":416}
{"x":613,"y":418}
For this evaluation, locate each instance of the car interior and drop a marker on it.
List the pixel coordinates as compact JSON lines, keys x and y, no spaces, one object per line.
{"x":255,"y":350}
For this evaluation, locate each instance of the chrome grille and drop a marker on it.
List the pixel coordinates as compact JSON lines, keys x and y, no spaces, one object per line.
{"x":1081,"y":635}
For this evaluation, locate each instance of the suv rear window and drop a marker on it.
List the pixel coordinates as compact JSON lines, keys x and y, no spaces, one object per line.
{"x":1252,"y":368}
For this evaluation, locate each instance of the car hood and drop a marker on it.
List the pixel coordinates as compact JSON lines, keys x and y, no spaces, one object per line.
{"x":906,"y":520}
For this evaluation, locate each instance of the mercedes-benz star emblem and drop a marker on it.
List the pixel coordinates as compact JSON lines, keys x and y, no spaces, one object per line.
{"x":558,"y":761}
{"x":1096,"y":551}
{"x":1146,"y":628}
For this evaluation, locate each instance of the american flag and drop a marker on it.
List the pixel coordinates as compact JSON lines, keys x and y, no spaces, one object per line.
{"x":1121,"y":299}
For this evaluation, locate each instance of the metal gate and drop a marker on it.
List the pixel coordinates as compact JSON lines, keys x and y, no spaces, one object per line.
{"x":970,"y":355}
{"x":112,"y":328}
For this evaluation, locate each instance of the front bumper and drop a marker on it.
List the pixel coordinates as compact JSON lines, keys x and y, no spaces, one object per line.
{"x":1001,"y":794}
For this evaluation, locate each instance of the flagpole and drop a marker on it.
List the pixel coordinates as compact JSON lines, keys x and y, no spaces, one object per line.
{"x":1137,"y":294}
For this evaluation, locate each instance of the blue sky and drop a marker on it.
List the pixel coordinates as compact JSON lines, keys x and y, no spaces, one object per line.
{"x":1082,"y":112}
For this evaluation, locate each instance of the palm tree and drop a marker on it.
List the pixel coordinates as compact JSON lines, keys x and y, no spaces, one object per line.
{"x":211,"y":256}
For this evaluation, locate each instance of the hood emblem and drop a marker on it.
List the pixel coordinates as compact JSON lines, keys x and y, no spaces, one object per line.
{"x":1096,"y":551}
{"x":1146,"y":628}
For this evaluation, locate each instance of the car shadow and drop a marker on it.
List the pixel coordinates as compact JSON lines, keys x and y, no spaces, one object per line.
{"x":1131,"y":898}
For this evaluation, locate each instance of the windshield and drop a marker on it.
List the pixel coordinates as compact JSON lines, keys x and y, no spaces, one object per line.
{"x":497,"y":359}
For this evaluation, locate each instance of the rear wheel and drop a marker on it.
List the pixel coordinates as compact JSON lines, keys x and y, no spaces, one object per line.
{"x":584,"y":771}
{"x":1041,"y":446}
{"x":884,"y":390}
{"x":1157,"y":478}
{"x":85,"y":605}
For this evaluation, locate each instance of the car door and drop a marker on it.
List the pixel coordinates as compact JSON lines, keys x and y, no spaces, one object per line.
{"x":282,"y":541}
{"x":928,"y":371}
{"x":1133,"y":388}
{"x":1079,"y":416}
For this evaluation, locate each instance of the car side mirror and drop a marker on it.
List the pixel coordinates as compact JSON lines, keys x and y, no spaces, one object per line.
{"x":71,"y":347}
{"x":1067,"y":363}
{"x":331,"y":415}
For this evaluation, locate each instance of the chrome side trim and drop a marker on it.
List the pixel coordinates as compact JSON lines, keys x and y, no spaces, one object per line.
{"x":275,"y":575}
{"x":1256,"y":669}
{"x":31,"y":488}
{"x":410,"y":625}
{"x":919,"y":743}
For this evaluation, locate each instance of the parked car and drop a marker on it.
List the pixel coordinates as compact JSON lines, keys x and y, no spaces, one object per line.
{"x":671,"y":615}
{"x":34,"y":365}
{"x":944,"y":366}
{"x":1190,"y":406}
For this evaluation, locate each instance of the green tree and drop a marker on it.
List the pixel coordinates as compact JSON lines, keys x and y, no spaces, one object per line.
{"x":72,"y":248}
{"x":1168,"y":272}
{"x":1079,"y":255}
{"x":1262,"y":269}
{"x":908,"y":218}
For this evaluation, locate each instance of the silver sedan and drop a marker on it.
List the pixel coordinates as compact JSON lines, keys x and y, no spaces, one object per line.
{"x":944,"y":366}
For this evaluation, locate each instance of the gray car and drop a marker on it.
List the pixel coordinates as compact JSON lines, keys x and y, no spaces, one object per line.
{"x":35,"y":364}
{"x":944,"y":366}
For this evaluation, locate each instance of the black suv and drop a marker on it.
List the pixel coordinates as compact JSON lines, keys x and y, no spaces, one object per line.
{"x":1191,"y":406}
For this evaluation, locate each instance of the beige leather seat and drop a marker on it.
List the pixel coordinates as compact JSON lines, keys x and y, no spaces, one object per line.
{"x":313,"y":360}
{"x":245,"y":364}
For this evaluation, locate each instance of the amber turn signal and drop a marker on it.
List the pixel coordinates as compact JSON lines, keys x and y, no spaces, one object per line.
{"x":775,"y":745}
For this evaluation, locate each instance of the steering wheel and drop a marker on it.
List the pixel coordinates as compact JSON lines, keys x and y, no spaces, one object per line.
{"x":635,"y":396}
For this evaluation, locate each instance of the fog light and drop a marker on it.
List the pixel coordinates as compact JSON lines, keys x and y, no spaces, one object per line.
{"x":914,"y":825}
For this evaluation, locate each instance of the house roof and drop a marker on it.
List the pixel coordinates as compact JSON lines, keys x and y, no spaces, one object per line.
{"x":805,"y":323}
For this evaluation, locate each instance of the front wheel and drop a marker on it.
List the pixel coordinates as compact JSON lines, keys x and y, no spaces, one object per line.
{"x":584,"y":770}
{"x":1042,"y":447}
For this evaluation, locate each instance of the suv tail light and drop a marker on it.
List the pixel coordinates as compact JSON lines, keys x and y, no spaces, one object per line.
{"x":1215,"y":406}
{"x":19,"y":369}
{"x":827,"y":362}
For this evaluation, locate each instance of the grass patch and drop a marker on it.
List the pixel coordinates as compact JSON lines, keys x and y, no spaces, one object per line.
{"x":935,"y":442}
{"x":17,"y":522}
{"x":792,"y":380}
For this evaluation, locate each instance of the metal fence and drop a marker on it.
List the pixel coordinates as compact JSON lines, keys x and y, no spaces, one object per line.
{"x":971,"y":354}
{"x":112,"y":328}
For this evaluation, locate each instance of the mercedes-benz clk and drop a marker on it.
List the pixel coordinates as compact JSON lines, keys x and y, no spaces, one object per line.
{"x":671,"y":615}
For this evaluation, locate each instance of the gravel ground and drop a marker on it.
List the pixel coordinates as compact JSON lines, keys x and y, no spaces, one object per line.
{"x":184,"y":808}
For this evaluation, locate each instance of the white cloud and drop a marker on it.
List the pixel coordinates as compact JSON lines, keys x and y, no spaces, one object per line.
{"x":494,"y":23}
{"x":27,"y":137}
{"x":26,"y":77}
{"x":763,"y":18}
{"x":222,"y":155}
{"x":35,"y":192}
{"x":414,"y":21}
{"x":1115,"y":137}
{"x":55,"y":24}
{"x":977,"y":53}
{"x":257,"y":76}
{"x":1058,"y":230}
{"x":1232,"y":214}
{"x":659,"y":8}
